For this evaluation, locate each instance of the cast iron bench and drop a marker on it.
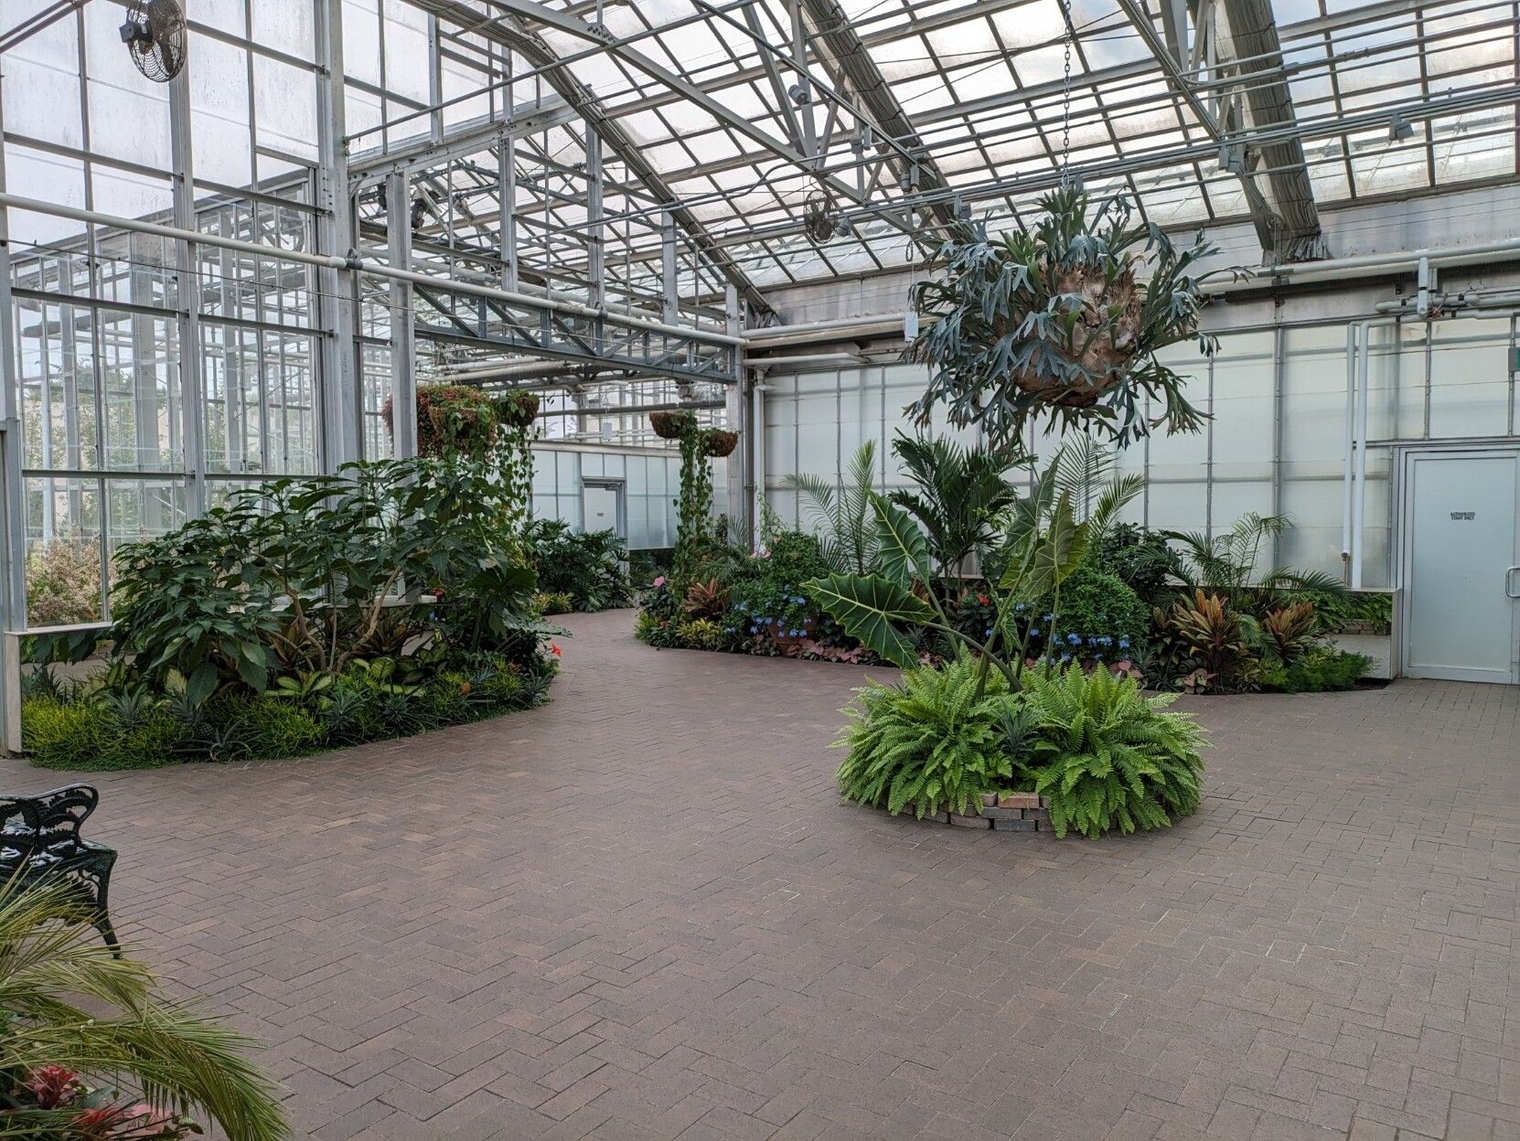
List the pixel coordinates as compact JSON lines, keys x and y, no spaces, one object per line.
{"x":39,"y":840}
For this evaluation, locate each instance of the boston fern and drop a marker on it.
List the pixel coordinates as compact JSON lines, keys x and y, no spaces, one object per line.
{"x":932,"y":741}
{"x":1055,"y":321}
{"x":1109,"y":757}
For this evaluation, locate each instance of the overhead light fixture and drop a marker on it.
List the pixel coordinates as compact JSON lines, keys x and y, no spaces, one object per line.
{"x":1399,"y":129}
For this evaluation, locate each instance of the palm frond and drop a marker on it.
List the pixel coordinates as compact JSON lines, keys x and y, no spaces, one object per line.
{"x":177,"y":1059}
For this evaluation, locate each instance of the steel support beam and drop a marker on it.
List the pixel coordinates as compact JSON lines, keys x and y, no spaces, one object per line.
{"x":398,"y":224}
{"x":512,"y":34}
{"x":833,"y":34}
{"x":1253,"y":34}
{"x":191,"y":370}
{"x":336,"y":304}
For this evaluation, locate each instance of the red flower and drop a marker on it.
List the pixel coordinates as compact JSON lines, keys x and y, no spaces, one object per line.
{"x":554,"y":649}
{"x":983,"y":600}
{"x":53,"y":1086}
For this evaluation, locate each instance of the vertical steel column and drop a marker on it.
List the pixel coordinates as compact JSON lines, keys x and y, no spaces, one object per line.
{"x":188,"y":300}
{"x":398,"y":229}
{"x":338,"y":379}
{"x":1279,"y":387}
{"x":734,"y":412}
{"x":596,"y":269}
{"x":12,"y":444}
{"x":672,"y":308}
{"x":435,"y":81}
{"x":507,"y":181}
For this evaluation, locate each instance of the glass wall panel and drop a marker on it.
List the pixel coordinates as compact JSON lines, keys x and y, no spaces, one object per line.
{"x":1469,"y":378}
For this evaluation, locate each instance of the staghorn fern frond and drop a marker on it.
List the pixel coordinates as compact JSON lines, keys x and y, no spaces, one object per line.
{"x":177,"y":1059}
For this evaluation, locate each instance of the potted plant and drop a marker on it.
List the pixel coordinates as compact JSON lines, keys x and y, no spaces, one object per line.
{"x":671,"y":425}
{"x":1055,"y":321}
{"x":718,"y":443}
{"x":517,"y":409}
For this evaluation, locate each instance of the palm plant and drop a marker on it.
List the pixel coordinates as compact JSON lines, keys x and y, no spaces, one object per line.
{"x":960,"y":493}
{"x":164,"y":1059}
{"x":847,"y":536}
{"x":1226,"y":565}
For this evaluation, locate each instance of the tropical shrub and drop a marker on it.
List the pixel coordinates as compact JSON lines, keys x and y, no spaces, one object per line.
{"x":106,"y":726}
{"x":1106,"y":755}
{"x":960,"y":493}
{"x":1143,"y":560}
{"x":1225,"y":565}
{"x":1099,"y":618}
{"x":936,"y":740}
{"x":703,"y":634}
{"x":553,"y":602}
{"x":588,"y":567}
{"x":296,"y":576}
{"x":1319,"y":670}
{"x":706,"y":599}
{"x":1211,"y":642}
{"x":91,"y":1051}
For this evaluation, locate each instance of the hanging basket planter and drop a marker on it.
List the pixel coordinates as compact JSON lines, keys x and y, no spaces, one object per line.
{"x":671,"y":425}
{"x":1055,"y":322}
{"x":517,"y":409}
{"x":718,"y":443}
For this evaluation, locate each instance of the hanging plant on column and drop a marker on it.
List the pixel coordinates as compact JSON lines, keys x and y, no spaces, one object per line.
{"x":694,"y":507}
{"x":517,"y":424}
{"x":1057,"y":322}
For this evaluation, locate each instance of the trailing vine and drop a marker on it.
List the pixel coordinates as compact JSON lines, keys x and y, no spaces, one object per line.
{"x":694,"y":507}
{"x":516,"y":416}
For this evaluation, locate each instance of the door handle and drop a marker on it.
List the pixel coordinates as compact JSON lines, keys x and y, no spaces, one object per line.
{"x":1509,"y":582}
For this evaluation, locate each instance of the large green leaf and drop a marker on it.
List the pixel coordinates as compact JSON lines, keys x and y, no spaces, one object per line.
{"x":869,"y":607}
{"x":1060,"y":549}
{"x":904,"y":549}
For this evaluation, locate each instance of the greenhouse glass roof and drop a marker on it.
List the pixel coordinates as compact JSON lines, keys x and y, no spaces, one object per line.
{"x":907,"y":111}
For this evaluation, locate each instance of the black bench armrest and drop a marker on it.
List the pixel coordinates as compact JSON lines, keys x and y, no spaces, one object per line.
{"x":48,"y":820}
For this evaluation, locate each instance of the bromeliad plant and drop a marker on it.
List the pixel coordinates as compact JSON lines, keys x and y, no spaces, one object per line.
{"x":1055,"y":321}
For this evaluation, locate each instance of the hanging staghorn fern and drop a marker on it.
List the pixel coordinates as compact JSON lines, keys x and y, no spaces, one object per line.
{"x":1054,"y":322}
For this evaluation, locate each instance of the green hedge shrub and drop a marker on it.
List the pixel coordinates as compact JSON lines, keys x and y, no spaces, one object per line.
{"x":1321,"y":670}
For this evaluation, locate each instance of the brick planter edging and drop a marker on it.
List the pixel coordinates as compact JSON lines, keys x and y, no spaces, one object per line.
{"x":1010,"y":812}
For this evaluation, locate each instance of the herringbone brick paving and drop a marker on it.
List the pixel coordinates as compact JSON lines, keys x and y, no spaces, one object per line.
{"x":641,"y":912}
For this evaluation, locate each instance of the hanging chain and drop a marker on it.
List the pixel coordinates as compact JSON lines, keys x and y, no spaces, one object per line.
{"x":1069,"y":38}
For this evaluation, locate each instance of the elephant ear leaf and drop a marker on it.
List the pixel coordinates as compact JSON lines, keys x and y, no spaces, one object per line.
{"x":870,"y":609}
{"x":904,"y":549}
{"x":1059,"y":551}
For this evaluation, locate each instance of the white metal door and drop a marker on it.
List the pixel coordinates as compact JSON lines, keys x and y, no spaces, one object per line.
{"x":600,"y":502}
{"x":1461,"y":578}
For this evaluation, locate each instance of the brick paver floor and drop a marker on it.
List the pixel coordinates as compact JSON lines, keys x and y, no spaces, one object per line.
{"x":641,"y":912}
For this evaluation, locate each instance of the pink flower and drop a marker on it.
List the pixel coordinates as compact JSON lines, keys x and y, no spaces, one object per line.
{"x":659,"y":580}
{"x":554,"y":649}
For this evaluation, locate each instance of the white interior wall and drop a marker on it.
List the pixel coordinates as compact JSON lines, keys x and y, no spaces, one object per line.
{"x":651,"y":482}
{"x":1275,"y":442}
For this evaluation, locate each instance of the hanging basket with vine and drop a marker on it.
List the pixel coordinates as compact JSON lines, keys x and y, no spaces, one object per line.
{"x":671,"y":425}
{"x":517,"y":409}
{"x":719,"y":442}
{"x":1056,"y":321}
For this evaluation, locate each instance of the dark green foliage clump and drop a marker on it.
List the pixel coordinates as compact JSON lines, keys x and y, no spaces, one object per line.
{"x":586,"y":566}
{"x":305,"y":614}
{"x":1105,"y":755}
{"x":1320,"y":670}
